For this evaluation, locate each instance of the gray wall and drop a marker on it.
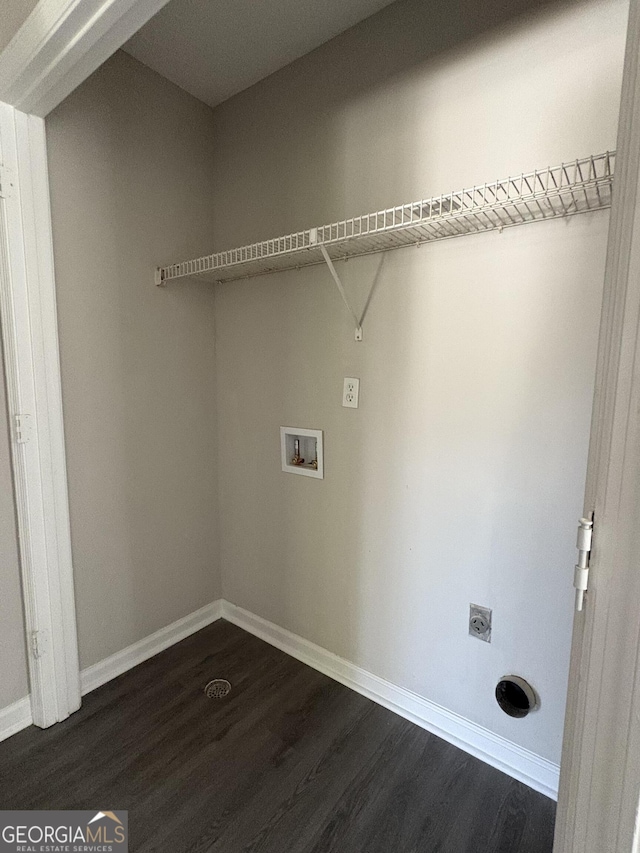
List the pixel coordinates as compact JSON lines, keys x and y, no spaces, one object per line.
{"x":131,"y":187}
{"x":14,"y":14}
{"x":14,"y":683}
{"x":460,"y":477}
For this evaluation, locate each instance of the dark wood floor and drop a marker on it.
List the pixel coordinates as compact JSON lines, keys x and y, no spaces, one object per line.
{"x":289,"y":762}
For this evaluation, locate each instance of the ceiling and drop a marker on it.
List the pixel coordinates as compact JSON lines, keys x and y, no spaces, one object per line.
{"x":216,"y":48}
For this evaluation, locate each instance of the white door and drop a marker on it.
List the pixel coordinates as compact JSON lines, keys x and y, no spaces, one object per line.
{"x":600,"y":772}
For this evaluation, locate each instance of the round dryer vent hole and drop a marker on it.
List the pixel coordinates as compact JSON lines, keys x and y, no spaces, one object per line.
{"x":217,"y":689}
{"x":516,"y":697}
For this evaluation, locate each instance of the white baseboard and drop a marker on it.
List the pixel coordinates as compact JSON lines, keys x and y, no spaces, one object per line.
{"x":113,"y":666}
{"x":537,"y":772}
{"x":525,"y":766}
{"x":15,"y":717}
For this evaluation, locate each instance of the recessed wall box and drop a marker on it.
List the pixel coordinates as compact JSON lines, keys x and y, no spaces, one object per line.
{"x":301,"y":451}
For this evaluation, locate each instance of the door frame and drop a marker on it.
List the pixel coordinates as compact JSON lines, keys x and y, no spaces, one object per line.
{"x":60,"y":45}
{"x":34,"y":403}
{"x":599,"y":795}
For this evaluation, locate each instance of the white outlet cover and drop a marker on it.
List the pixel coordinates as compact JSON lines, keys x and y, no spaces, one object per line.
{"x":350,"y":392}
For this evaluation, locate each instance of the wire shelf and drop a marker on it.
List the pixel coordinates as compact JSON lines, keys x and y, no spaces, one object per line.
{"x":580,"y":186}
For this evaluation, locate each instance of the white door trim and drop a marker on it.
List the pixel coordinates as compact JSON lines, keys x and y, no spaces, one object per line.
{"x":600,"y":773}
{"x":30,"y":340}
{"x":61,"y":43}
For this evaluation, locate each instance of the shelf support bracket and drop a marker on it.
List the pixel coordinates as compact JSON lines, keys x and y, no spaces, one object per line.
{"x":339,"y":285}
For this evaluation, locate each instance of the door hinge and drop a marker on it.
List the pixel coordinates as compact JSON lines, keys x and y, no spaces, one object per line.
{"x":581,"y":571}
{"x":23,"y":426}
{"x":37,"y":644}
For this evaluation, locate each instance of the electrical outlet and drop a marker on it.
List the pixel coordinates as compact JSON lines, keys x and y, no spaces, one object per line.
{"x":350,"y":392}
{"x":480,"y":622}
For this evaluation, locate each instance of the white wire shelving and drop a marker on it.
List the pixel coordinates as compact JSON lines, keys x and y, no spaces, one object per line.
{"x":579,"y":186}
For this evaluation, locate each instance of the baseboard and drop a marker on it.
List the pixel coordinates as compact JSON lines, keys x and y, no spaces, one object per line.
{"x":15,"y":717}
{"x":113,"y":666}
{"x":536,"y":772}
{"x":525,"y":766}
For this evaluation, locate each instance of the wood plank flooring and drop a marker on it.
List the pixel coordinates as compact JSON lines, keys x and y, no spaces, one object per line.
{"x":289,"y":762}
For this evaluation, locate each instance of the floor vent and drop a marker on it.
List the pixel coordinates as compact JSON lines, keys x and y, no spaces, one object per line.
{"x":217,"y":689}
